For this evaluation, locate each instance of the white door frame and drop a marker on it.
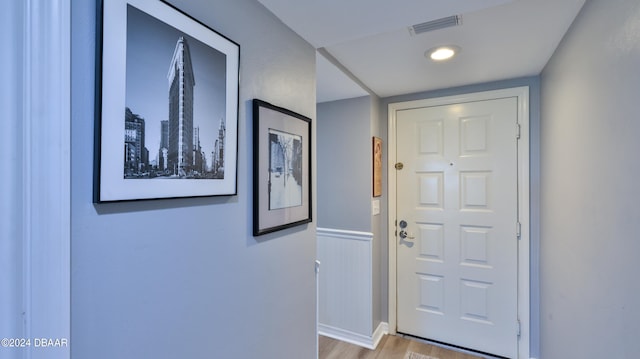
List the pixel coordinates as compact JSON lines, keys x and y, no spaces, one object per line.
{"x":36,"y":161}
{"x":522,"y":93}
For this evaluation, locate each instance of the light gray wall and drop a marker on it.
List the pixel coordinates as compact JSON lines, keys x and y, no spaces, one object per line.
{"x":345,"y":180}
{"x":534,"y":181}
{"x":344,"y":165}
{"x":184,"y":278}
{"x":589,"y":250}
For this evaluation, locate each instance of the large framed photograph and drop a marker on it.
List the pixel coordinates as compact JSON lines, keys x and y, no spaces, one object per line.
{"x":281,"y":168}
{"x":167,"y":105}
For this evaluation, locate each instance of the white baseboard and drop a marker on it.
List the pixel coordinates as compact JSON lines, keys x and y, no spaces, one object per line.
{"x":383,"y":328}
{"x":369,"y":342}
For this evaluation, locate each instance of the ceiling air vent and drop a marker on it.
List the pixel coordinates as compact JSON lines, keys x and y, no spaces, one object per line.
{"x":438,"y":24}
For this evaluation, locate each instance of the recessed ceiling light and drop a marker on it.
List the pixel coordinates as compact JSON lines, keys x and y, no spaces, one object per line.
{"x":442,"y":53}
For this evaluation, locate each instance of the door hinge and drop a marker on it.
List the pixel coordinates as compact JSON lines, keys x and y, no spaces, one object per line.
{"x":517,"y":131}
{"x":518,"y":230}
{"x":518,"y":328}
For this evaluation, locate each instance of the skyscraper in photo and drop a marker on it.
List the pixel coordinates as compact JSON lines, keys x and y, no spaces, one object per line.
{"x":164,"y":145}
{"x":217,"y":156}
{"x":136,"y":155}
{"x":199,"y":162}
{"x":181,"y":83}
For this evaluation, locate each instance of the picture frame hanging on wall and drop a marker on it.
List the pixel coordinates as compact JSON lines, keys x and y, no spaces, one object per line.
{"x":377,"y":166}
{"x":166,"y":105}
{"x":281,"y":168}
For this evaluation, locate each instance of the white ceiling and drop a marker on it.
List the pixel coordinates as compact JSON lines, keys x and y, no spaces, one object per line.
{"x":500,"y":39}
{"x":333,"y":84}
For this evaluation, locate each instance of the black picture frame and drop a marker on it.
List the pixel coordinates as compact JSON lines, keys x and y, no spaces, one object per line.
{"x":167,"y":97}
{"x":281,"y":168}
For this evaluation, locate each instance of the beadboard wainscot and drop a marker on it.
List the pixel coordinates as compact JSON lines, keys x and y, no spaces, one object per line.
{"x":345,"y":297}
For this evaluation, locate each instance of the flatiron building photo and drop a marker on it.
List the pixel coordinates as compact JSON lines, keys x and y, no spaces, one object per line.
{"x":181,"y":83}
{"x":174,"y":129}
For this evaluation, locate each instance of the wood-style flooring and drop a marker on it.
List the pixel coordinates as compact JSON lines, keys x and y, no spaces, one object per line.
{"x":390,"y":347}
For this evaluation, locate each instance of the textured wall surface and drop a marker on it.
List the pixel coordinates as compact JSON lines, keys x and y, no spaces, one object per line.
{"x":185,"y":278}
{"x":589,"y":236}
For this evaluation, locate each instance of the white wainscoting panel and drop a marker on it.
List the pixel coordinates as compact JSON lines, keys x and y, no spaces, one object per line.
{"x":345,"y":287}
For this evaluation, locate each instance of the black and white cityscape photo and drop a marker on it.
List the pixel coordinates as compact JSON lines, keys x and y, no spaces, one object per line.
{"x":285,"y":170}
{"x":174,"y":116}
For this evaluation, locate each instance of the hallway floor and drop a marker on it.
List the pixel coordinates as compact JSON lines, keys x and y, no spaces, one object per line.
{"x":390,"y":347}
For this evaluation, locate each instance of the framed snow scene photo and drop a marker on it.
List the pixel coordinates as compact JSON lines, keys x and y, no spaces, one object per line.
{"x":281,"y":168}
{"x":166,"y":105}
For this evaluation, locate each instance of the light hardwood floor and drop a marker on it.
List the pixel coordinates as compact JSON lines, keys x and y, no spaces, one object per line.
{"x":390,"y":347}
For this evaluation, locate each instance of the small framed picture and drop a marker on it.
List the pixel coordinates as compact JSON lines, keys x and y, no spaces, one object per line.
{"x":281,"y":168}
{"x":166,"y":105}
{"x":377,"y":167}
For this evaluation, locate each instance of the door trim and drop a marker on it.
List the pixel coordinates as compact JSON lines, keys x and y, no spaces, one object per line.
{"x":36,"y":154}
{"x":522,"y":94}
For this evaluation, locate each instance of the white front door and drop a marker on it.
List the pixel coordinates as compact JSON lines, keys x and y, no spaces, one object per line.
{"x":457,"y":199}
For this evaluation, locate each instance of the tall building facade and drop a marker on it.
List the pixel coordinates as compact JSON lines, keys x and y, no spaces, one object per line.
{"x":217,"y":156}
{"x":136,"y":156}
{"x":163,"y":152}
{"x":199,"y":161}
{"x":181,"y":83}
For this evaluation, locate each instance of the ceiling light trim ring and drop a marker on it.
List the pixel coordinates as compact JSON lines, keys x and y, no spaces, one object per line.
{"x":442,"y":53}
